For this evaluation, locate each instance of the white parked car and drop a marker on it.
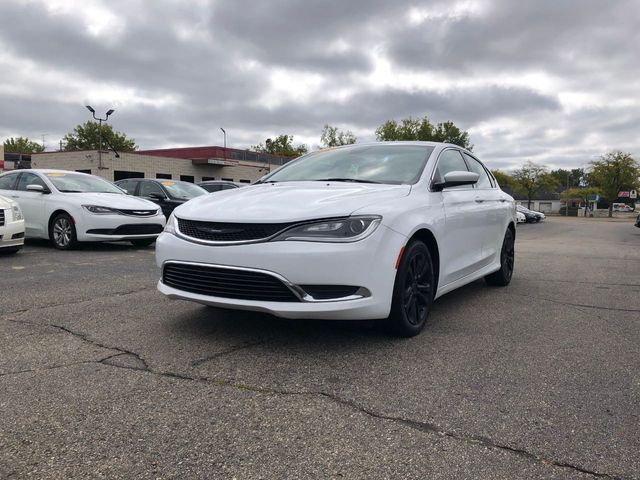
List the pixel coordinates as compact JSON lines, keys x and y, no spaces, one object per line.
{"x":366,"y":231}
{"x":70,"y":207}
{"x":520,"y":218}
{"x":11,"y":226}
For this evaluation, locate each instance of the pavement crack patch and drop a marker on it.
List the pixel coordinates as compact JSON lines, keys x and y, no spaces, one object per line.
{"x":414,"y":424}
{"x":578,"y":305}
{"x":78,"y":302}
{"x":43,"y":369}
{"x":228,"y":351}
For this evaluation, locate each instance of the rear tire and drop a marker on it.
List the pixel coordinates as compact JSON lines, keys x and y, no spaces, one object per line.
{"x":143,"y":242}
{"x":413,"y":292}
{"x":502,"y":277}
{"x":62,"y":232}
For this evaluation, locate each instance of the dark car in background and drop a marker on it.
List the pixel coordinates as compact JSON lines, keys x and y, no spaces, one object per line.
{"x":167,"y":193}
{"x":218,"y":185}
{"x":530,"y":215}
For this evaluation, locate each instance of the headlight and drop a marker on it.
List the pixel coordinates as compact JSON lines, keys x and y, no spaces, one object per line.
{"x":171,"y":226}
{"x":97,"y":209}
{"x":17,"y":213}
{"x":350,"y":229}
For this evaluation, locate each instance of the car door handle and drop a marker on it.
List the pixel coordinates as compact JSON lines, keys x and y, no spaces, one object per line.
{"x":15,"y":196}
{"x":479,"y":200}
{"x":503,"y":199}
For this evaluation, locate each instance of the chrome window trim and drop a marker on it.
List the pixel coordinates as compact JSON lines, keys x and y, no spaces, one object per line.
{"x":295,"y":289}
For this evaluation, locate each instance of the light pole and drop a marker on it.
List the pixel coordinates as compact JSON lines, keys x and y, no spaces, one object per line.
{"x":566,"y":210}
{"x":100,"y":120}
{"x":224,"y":132}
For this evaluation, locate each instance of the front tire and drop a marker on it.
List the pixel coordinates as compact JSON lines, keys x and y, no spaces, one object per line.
{"x":143,"y":242}
{"x":502,"y":277}
{"x":413,"y":291}
{"x":63,"y":232}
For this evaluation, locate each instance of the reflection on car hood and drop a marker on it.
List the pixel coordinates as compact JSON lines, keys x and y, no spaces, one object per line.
{"x":6,"y":203}
{"x":288,"y":201}
{"x":113,"y":200}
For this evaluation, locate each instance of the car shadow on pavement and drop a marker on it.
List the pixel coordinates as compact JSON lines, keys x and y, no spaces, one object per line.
{"x":86,"y":246}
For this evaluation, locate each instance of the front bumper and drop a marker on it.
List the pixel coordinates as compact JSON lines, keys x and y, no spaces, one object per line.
{"x":12,"y":234}
{"x":369,"y":264}
{"x":100,"y":228}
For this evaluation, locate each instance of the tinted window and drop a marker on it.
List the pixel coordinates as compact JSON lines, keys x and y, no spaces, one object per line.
{"x":449,"y":161}
{"x":476,"y":166}
{"x":211,"y":187}
{"x":147,"y":188}
{"x":29,"y":179}
{"x":7,"y":181}
{"x":128,"y":185}
{"x":228,"y":186}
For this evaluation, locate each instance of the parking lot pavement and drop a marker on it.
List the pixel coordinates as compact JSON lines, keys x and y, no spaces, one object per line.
{"x":100,"y":376}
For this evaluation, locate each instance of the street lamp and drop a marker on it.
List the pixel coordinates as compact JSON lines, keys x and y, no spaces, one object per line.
{"x":225,"y":136}
{"x":100,"y":120}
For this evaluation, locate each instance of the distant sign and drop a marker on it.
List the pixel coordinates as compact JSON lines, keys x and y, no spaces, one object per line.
{"x":623,"y":194}
{"x":215,"y":161}
{"x":633,"y":194}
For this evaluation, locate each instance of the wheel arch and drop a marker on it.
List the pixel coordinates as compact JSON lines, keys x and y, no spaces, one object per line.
{"x":426,"y":236}
{"x":53,"y":215}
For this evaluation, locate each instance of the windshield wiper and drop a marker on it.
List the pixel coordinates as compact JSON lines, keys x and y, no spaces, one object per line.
{"x":266,"y":181}
{"x":72,"y":191}
{"x":355,"y":180}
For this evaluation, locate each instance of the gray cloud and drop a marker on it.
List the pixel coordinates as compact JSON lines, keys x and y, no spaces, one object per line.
{"x":551,"y":81}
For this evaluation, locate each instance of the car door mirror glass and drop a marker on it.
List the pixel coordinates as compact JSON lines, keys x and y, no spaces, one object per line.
{"x":156,"y":196}
{"x":455,"y":179}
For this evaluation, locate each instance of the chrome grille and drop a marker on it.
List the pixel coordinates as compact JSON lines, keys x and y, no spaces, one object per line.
{"x":229,"y":232}
{"x":1,"y":217}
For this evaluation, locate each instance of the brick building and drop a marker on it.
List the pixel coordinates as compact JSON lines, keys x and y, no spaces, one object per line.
{"x":191,"y":164}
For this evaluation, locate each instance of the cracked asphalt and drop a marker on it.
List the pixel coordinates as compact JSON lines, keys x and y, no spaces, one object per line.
{"x":102,"y":377}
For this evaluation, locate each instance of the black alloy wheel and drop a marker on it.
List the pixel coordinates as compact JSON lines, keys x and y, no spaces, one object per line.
{"x":502,"y":277}
{"x":413,"y":291}
{"x":62,"y":232}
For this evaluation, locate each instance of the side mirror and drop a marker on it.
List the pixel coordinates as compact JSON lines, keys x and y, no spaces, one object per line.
{"x":37,"y":188}
{"x":124,"y":190}
{"x":156,"y":196}
{"x":455,"y":179}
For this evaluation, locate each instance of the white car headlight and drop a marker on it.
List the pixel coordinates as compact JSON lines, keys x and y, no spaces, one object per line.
{"x":350,"y":229}
{"x":100,"y":210}
{"x":171,"y":225}
{"x":17,"y":213}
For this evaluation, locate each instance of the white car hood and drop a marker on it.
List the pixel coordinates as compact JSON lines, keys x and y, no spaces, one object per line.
{"x":113,"y":200}
{"x":288,"y":201}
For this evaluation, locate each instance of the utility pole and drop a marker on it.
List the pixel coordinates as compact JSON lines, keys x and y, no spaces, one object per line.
{"x":224,"y":132}
{"x":43,"y":135}
{"x":100,"y":120}
{"x":566,"y":211}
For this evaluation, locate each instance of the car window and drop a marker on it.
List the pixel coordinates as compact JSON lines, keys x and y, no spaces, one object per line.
{"x":484,"y":181}
{"x":147,"y":188}
{"x":449,"y":161}
{"x":29,"y":179}
{"x":228,"y":187}
{"x":7,"y":181}
{"x":128,"y":185}
{"x":211,"y":187}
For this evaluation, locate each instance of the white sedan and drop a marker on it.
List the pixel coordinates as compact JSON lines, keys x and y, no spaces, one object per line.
{"x":366,"y":231}
{"x":11,"y":226}
{"x":71,"y":207}
{"x":520,"y":218}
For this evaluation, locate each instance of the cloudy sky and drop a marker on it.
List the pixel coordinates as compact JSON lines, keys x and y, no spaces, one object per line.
{"x":553,"y":81}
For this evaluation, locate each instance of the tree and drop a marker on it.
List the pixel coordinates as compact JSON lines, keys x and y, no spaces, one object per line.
{"x":281,"y":145}
{"x":582,"y":193}
{"x":87,"y":137}
{"x":532,"y":179}
{"x":574,"y":178}
{"x":615,"y":171}
{"x":22,"y":145}
{"x":504,"y":179}
{"x":332,"y":137}
{"x":414,"y":129}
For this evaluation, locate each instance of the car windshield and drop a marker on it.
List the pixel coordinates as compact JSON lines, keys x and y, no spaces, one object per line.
{"x":81,"y":183}
{"x":183,"y":190}
{"x":394,"y":164}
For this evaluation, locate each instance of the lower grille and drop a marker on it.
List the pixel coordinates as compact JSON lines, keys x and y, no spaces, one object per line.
{"x":143,"y":229}
{"x":1,"y":218}
{"x":226,"y":283}
{"x":229,"y":232}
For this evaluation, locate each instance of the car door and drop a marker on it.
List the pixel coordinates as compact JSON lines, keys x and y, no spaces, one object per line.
{"x":493,"y":208}
{"x":8,"y":183}
{"x":153,"y":192}
{"x":461,"y":245}
{"x":32,"y":204}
